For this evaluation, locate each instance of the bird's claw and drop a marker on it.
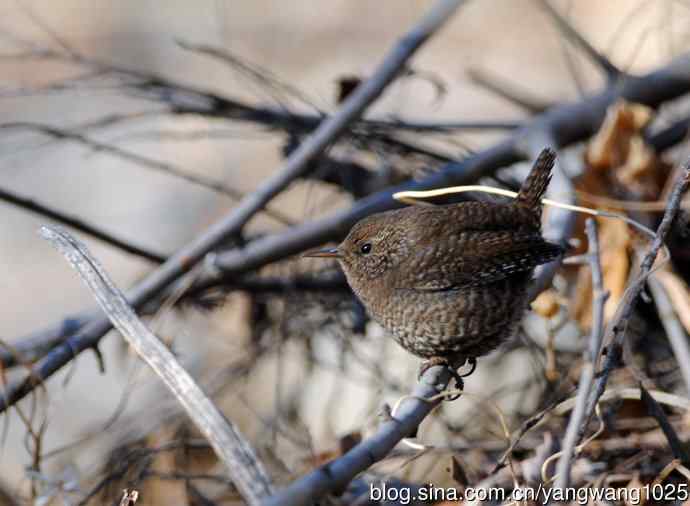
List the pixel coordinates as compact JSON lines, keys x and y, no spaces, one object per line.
{"x":459,"y":383}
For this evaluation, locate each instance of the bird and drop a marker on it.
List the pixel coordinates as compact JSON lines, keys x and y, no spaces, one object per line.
{"x":449,"y":282}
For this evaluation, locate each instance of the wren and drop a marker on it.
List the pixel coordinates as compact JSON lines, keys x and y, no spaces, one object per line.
{"x":450,"y":282}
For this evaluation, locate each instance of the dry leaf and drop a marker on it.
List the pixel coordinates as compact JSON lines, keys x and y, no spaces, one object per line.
{"x":621,"y":160}
{"x":546,"y":304}
{"x":619,"y":165}
{"x":610,"y":146}
{"x":614,"y":241}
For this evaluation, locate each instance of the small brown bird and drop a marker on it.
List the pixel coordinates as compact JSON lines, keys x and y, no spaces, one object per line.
{"x":450,"y":282}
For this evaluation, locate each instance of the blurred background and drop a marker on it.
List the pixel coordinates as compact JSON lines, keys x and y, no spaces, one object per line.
{"x":303,"y":374}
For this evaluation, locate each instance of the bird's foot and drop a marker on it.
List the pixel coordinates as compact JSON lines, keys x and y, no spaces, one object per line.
{"x":453,"y":368}
{"x":472,"y":362}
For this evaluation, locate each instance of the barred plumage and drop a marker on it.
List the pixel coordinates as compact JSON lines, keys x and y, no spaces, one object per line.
{"x":451,"y":281}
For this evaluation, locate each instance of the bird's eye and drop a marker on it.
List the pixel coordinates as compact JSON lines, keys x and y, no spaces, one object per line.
{"x":366,"y":248}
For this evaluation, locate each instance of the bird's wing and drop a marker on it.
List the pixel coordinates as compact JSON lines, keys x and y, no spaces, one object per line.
{"x":467,"y":258}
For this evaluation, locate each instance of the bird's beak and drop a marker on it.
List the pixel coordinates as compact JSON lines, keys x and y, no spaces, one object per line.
{"x":323,"y":253}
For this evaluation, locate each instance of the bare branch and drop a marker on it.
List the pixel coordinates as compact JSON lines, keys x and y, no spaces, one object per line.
{"x":618,"y":325}
{"x":294,"y":167}
{"x":229,"y":444}
{"x":508,"y":91}
{"x":140,"y":160}
{"x":440,"y":126}
{"x":334,"y":476}
{"x":671,"y":135}
{"x":610,"y":70}
{"x":655,"y":410}
{"x":76,"y":223}
{"x":591,"y":357}
{"x":262,"y":75}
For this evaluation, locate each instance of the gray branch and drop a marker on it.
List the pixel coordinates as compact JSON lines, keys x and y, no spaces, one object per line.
{"x":231,"y":447}
{"x":609,"y":69}
{"x":566,"y":123}
{"x":591,"y":357}
{"x":616,"y":332}
{"x":334,"y":476}
{"x":296,"y":165}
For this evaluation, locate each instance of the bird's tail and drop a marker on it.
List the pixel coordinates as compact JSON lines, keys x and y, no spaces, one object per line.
{"x":533,"y":188}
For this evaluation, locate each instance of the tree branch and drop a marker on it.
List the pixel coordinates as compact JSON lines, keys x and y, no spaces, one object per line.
{"x":231,"y":447}
{"x":499,"y":86}
{"x":78,"y":224}
{"x":334,"y":476}
{"x":591,"y":357}
{"x":141,"y":161}
{"x":610,"y":70}
{"x":294,"y":167}
{"x":566,"y":123}
{"x":618,"y":325}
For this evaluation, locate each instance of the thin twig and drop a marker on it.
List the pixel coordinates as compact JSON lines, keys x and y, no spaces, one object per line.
{"x":78,"y":224}
{"x":655,"y":410}
{"x":674,"y":329}
{"x":591,"y":357}
{"x":181,"y":100}
{"x":140,"y":160}
{"x":610,"y":70}
{"x":618,"y":325}
{"x":296,"y":165}
{"x":259,"y":74}
{"x":508,"y":91}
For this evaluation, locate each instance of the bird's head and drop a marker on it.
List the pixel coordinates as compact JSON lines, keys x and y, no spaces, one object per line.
{"x":373,"y":248}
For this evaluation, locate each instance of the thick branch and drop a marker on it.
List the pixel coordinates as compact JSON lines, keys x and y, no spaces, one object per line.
{"x":567,"y":122}
{"x":334,"y":476}
{"x":231,"y":447}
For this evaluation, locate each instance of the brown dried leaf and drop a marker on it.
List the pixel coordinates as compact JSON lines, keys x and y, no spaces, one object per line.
{"x":614,"y":240}
{"x":159,"y":491}
{"x":546,"y":304}
{"x":610,"y":146}
{"x":620,"y":160}
{"x":619,"y":165}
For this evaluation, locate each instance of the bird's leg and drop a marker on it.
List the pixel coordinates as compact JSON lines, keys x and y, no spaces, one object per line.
{"x":452,"y":368}
{"x":473,"y":365}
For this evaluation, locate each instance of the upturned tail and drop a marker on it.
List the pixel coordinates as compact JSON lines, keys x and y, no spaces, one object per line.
{"x":533,"y":188}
